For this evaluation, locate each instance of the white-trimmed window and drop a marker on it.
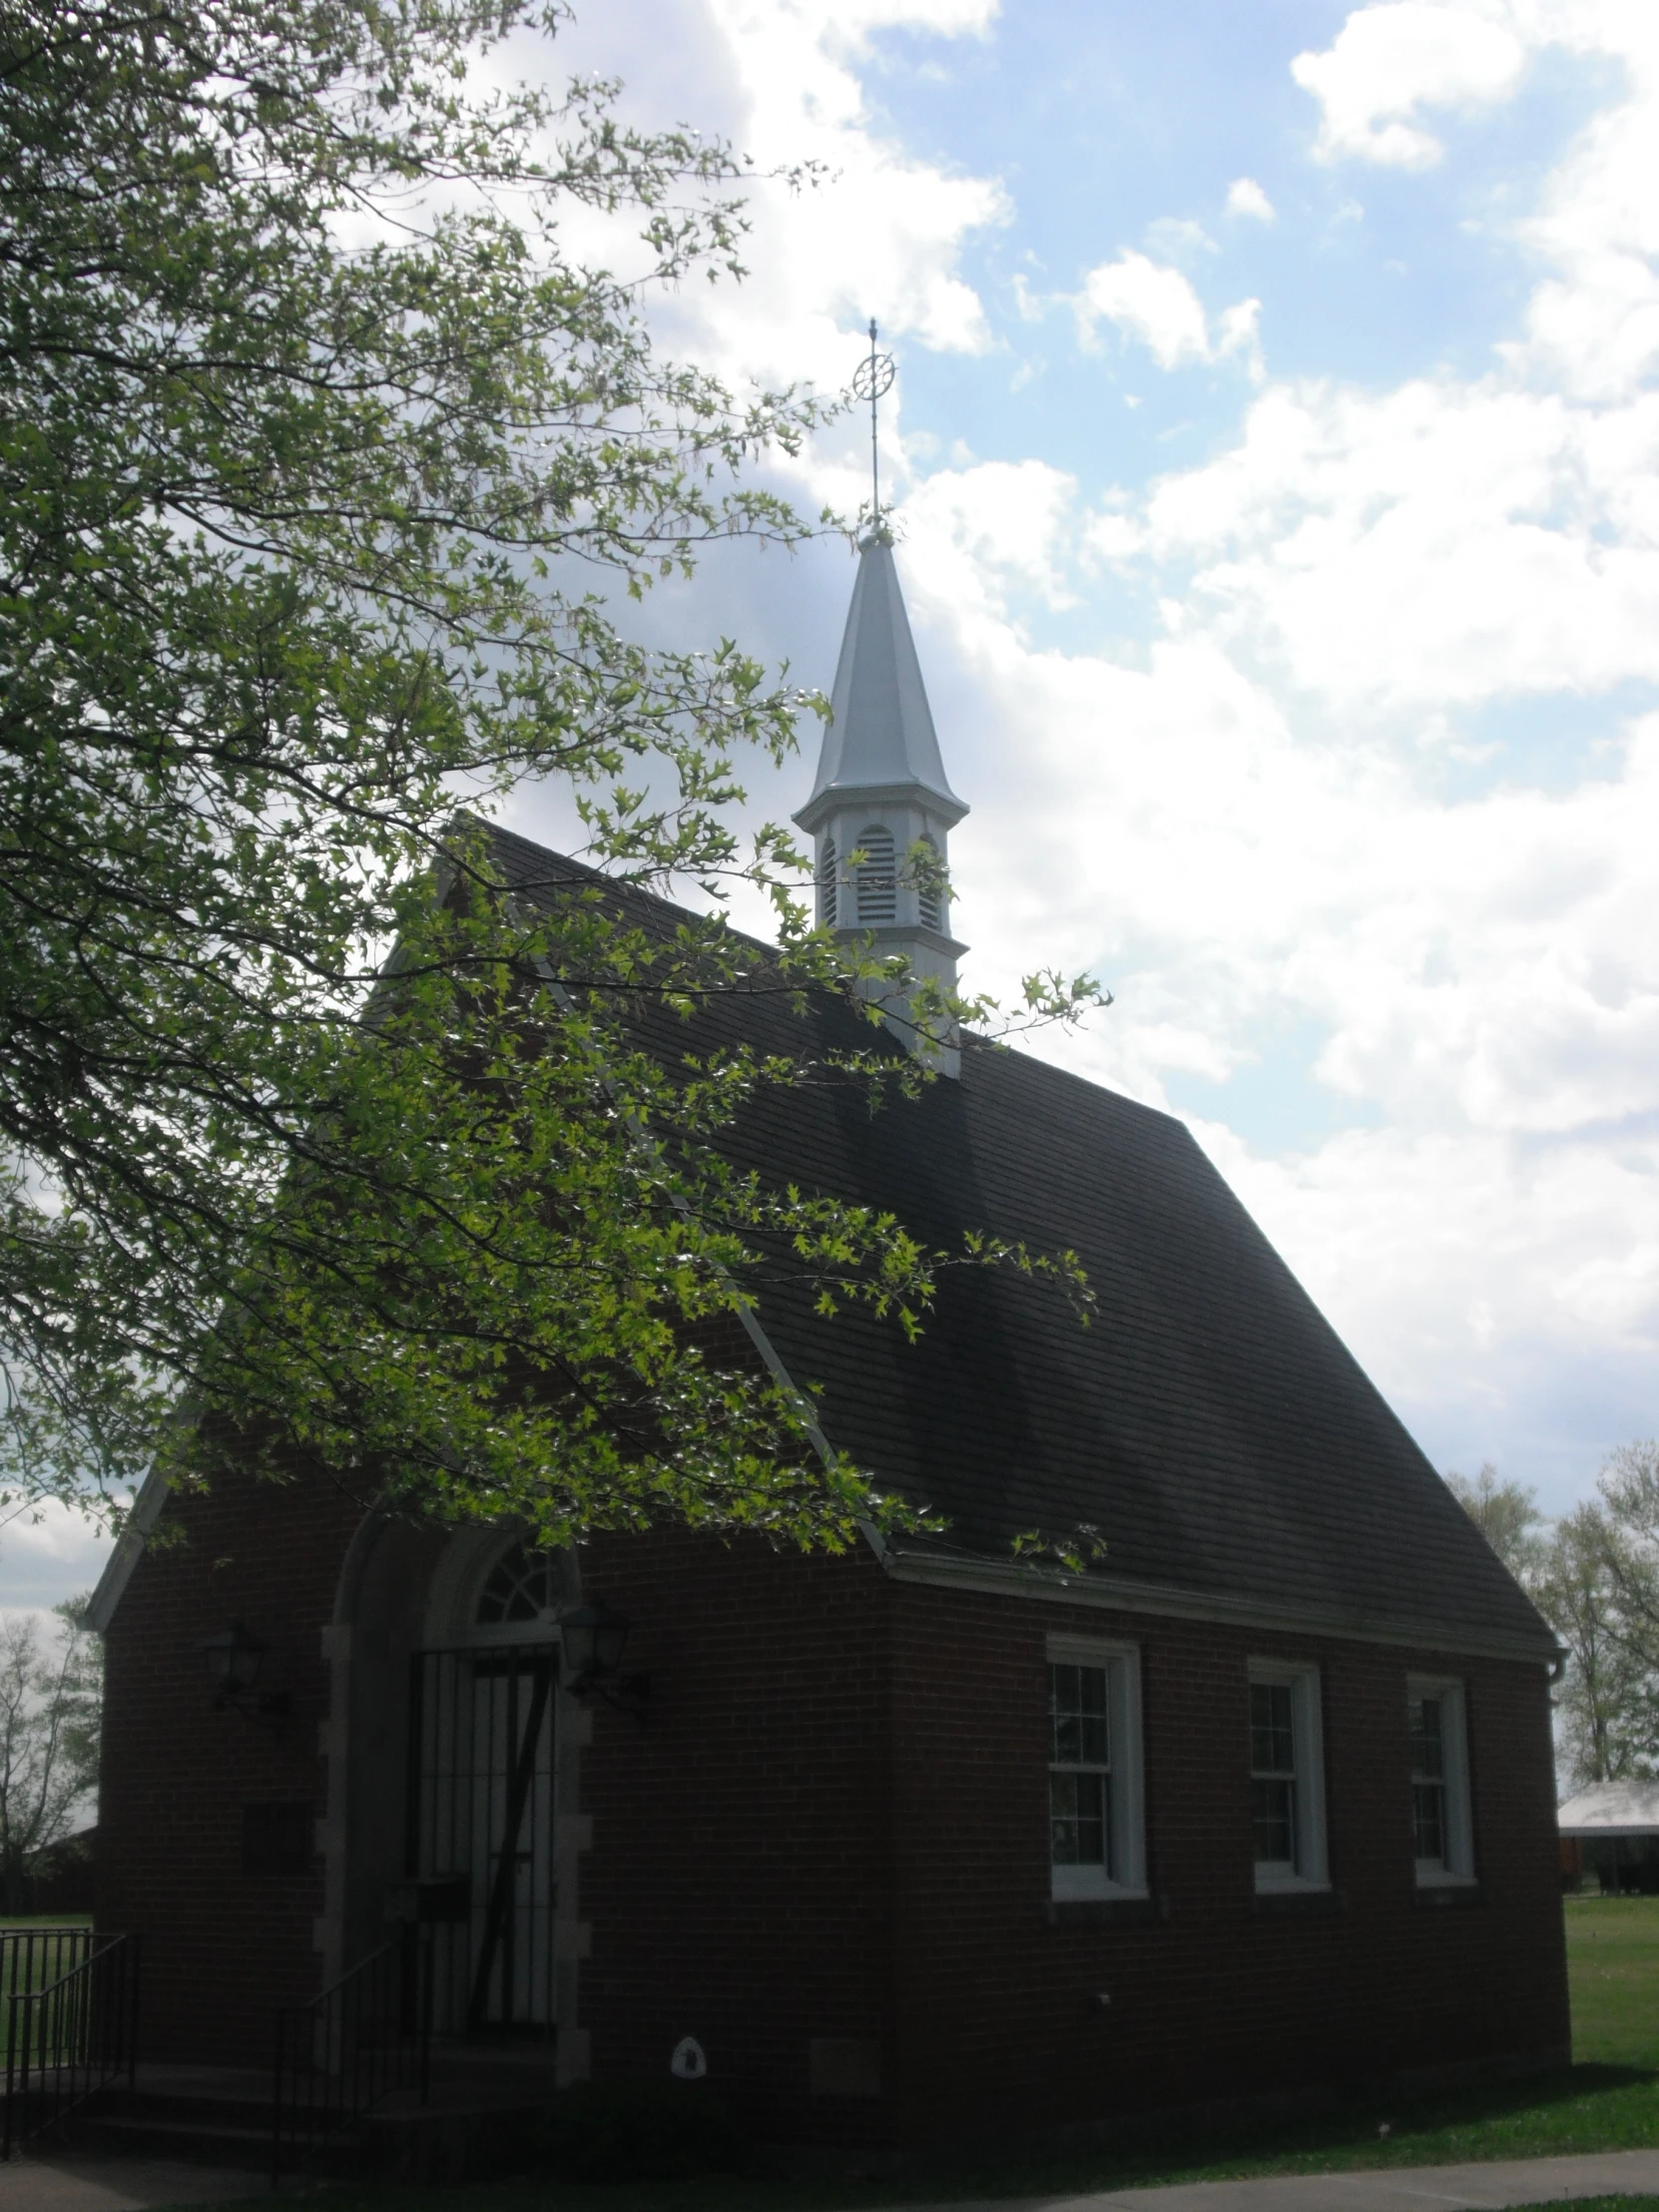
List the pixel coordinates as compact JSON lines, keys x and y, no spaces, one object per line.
{"x":1287,"y":1776}
{"x":1096,"y":1826}
{"x":1442,"y":1832}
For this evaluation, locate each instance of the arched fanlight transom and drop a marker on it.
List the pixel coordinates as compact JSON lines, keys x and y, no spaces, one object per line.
{"x":520,"y":1588}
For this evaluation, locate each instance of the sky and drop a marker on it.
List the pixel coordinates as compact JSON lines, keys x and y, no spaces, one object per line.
{"x":1275,"y":453}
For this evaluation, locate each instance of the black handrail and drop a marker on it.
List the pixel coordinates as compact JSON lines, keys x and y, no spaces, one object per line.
{"x":365,"y":2037}
{"x":71,"y":2037}
{"x":32,"y":1957}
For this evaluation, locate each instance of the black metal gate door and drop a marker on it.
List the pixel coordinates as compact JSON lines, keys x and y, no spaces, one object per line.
{"x":480,"y":1814}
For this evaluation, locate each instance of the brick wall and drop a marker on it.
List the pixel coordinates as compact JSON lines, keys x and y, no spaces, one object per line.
{"x":737,"y":1886}
{"x":1220,"y":1998}
{"x":831,"y":1831}
{"x":833,"y":1826}
{"x":222,"y":1949}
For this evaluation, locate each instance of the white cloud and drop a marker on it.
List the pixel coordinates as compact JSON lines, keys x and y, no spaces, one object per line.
{"x":1435,"y":545}
{"x":1114,"y":537}
{"x":1594,"y":324}
{"x":1391,"y":60}
{"x":1244,"y":197}
{"x":1157,"y":305}
{"x":879,"y":233}
{"x":853,"y":21}
{"x":1239,"y":330}
{"x":976,"y":530}
{"x":48,"y":1555}
{"x":1178,"y":237}
{"x":1448,"y":543}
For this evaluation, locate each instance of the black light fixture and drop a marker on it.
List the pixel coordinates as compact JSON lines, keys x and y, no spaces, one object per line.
{"x":232,"y":1660}
{"x":593,"y":1638}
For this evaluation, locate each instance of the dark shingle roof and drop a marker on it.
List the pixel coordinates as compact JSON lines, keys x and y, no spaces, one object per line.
{"x":1209,"y":1420}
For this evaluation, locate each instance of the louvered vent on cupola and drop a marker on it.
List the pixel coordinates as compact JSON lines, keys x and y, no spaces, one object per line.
{"x":878,"y":879}
{"x":928,"y":903}
{"x":827,"y":886}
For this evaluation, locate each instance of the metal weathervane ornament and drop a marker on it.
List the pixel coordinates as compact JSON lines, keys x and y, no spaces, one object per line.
{"x":870,"y":379}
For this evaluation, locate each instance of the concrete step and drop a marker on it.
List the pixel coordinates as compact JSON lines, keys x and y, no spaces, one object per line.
{"x":213,"y":2143}
{"x":484,"y":2105}
{"x":194,"y":2108}
{"x":210,"y":2143}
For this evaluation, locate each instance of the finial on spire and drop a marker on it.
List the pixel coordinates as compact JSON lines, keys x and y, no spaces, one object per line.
{"x":870,"y":379}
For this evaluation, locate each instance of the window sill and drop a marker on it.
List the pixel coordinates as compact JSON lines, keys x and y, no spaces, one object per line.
{"x":1120,"y":1911}
{"x":1430,"y":1874}
{"x":1288,"y":1884}
{"x":1440,"y":1897}
{"x":1308,"y":1900}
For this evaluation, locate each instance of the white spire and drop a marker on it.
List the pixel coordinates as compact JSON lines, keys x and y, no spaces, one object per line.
{"x":880,"y":797}
{"x":882,"y":737}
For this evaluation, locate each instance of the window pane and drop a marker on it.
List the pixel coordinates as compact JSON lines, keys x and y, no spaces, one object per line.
{"x":1077,"y":1717}
{"x":1274,"y":1808}
{"x":1063,"y":1739}
{"x":1271,"y":1740}
{"x":1428,"y":1738}
{"x":1077,"y":1819}
{"x":520,"y":1590}
{"x":1428,"y":1819}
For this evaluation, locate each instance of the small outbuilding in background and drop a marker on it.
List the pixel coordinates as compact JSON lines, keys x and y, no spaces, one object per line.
{"x":1610,"y":1839}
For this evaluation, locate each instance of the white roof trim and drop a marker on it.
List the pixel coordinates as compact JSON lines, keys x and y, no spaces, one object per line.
{"x":128,"y":1549}
{"x":1118,"y":1594}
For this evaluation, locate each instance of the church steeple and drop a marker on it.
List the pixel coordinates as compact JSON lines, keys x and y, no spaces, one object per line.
{"x":881,"y":736}
{"x":882,"y":794}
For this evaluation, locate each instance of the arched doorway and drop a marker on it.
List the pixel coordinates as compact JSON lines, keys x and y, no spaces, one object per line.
{"x":481,"y":1777}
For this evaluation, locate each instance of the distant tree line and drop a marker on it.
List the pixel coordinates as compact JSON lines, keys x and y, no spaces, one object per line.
{"x":1594,"y":1575}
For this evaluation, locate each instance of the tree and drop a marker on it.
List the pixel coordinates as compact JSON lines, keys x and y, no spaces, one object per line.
{"x":1605,"y":1702}
{"x":319,"y":452}
{"x":51,"y":1702}
{"x":1594,"y":1575}
{"x":1507,"y":1516}
{"x":1614,"y":1703}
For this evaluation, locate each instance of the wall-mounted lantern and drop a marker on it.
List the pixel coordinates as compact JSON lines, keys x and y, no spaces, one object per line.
{"x":593,"y":1638}
{"x":234,"y":1660}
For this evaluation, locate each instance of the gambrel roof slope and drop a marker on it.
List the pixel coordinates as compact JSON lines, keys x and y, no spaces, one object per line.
{"x":1208,"y":1420}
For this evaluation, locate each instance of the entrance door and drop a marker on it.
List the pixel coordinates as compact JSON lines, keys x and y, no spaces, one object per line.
{"x":480,"y":1817}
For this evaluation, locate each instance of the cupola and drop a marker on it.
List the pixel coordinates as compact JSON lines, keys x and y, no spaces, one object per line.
{"x":881,"y":795}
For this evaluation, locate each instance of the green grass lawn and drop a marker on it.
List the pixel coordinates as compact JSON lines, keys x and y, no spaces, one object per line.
{"x":1609,"y":2100}
{"x":1613,"y":1960}
{"x":28,"y":1967}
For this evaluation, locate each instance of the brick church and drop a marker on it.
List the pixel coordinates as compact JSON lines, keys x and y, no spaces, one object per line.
{"x":930,"y":1840}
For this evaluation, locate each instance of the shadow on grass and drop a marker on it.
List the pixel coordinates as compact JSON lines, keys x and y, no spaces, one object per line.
{"x":1581,"y":2109}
